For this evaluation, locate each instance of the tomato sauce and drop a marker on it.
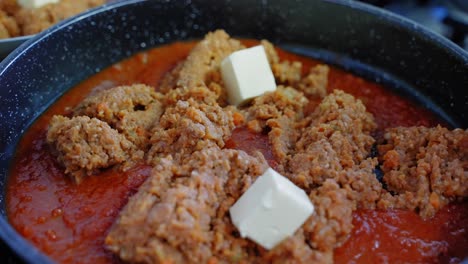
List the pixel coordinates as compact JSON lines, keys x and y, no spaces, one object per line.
{"x":69,"y":222}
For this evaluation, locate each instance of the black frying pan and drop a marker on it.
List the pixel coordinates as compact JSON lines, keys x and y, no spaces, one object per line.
{"x":365,"y":40}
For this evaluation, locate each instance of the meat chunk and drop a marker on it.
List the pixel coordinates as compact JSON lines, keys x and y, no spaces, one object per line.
{"x":285,"y":72}
{"x":10,"y":7}
{"x":285,"y":101}
{"x":180,"y":214}
{"x":187,"y":127}
{"x":8,"y":26}
{"x":426,"y":167}
{"x":290,"y":73}
{"x":193,"y":119}
{"x":316,"y":82}
{"x":326,"y":229}
{"x":32,"y":21}
{"x":202,"y":66}
{"x":277,"y":112}
{"x":334,"y":138}
{"x":270,"y":51}
{"x":132,"y":110}
{"x":331,"y":223}
{"x":201,"y":94}
{"x":333,"y":143}
{"x":282,"y":137}
{"x":84,"y":145}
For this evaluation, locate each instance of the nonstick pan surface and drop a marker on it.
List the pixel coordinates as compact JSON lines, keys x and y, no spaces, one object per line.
{"x":365,"y":40}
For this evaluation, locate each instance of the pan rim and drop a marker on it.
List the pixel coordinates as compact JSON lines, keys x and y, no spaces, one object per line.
{"x":30,"y":254}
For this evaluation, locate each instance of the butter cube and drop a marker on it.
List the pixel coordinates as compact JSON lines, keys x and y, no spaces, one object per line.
{"x":272,"y":209}
{"x":247,"y":74}
{"x":36,"y":3}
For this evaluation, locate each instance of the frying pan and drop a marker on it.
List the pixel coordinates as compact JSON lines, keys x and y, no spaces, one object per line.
{"x":365,"y":40}
{"x":9,"y":44}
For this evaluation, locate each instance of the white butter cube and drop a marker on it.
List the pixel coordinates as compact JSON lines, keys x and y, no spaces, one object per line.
{"x":36,"y":3}
{"x":272,"y":209}
{"x":246,"y":74}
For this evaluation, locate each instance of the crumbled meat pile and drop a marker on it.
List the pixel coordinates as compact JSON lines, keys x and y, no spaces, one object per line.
{"x":85,"y":145}
{"x":181,"y":213}
{"x":426,"y":167}
{"x":17,"y":21}
{"x":132,"y":110}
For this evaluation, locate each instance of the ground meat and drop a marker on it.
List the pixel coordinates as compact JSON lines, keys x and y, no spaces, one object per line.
{"x":361,"y":184}
{"x":425,"y":167}
{"x":180,"y":214}
{"x":331,"y":223}
{"x":189,"y":126}
{"x":334,"y":143}
{"x":193,"y":119}
{"x":283,"y":101}
{"x":201,"y":94}
{"x":285,"y":72}
{"x":325,"y":230}
{"x":32,"y":21}
{"x":132,"y":110}
{"x":270,"y":51}
{"x":334,"y":138}
{"x":282,"y":137}
{"x":10,"y":7}
{"x":316,"y":82}
{"x":276,"y":113}
{"x":202,"y":66}
{"x":84,"y":145}
{"x":8,"y":26}
{"x":295,"y":249}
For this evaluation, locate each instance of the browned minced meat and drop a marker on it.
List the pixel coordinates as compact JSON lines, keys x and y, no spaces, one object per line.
{"x":285,"y":72}
{"x":84,"y":145}
{"x":132,"y":110}
{"x":189,"y":126}
{"x":316,"y":82}
{"x":270,"y":51}
{"x":277,"y":112}
{"x":8,"y":26}
{"x":193,"y":119}
{"x":326,"y":229}
{"x":334,"y":137}
{"x":335,"y":143}
{"x":331,"y":223}
{"x":290,"y":73}
{"x":284,"y":101}
{"x":10,"y":7}
{"x":426,"y":167}
{"x":32,"y":21}
{"x":180,"y":213}
{"x":202,"y":66}
{"x":200,"y":93}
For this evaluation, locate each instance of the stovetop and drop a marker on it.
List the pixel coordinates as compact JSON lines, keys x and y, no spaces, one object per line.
{"x":448,"y":18}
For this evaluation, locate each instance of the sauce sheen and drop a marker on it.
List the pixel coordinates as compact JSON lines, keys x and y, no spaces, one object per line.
{"x":69,"y":222}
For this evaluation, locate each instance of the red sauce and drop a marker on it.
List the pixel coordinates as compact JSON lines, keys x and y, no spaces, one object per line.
{"x":402,"y":236}
{"x":69,"y":222}
{"x":250,"y":142}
